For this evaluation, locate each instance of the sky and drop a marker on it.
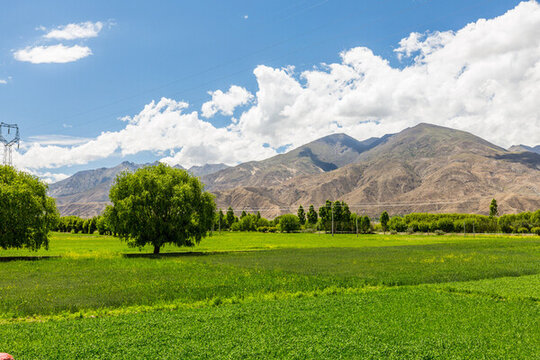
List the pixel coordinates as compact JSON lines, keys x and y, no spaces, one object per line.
{"x":92,"y":84}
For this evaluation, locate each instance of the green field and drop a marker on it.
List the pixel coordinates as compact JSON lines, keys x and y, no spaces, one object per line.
{"x":251,"y":295}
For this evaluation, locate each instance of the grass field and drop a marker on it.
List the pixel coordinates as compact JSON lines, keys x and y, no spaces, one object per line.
{"x":275,"y":296}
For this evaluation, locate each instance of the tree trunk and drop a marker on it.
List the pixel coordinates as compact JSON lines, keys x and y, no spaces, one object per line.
{"x":156,"y":249}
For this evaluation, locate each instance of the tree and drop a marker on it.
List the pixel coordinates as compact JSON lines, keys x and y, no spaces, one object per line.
{"x":230,"y":217}
{"x":86,"y":226}
{"x":301,"y":215}
{"x":384,"y":221}
{"x":289,"y":222}
{"x":27,"y":214}
{"x":312,"y":215}
{"x":220,"y":222}
{"x":243,"y":215}
{"x":346,"y":217}
{"x":325,"y":213}
{"x":365,"y":224}
{"x":158,"y":205}
{"x":493,"y":208}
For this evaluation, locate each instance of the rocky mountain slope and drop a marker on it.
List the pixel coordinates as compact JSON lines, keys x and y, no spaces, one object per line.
{"x":86,"y":193}
{"x":424,"y":168}
{"x":320,"y":156}
{"x":522,"y":148}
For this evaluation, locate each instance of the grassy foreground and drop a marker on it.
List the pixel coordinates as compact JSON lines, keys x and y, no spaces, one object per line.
{"x":276,"y":296}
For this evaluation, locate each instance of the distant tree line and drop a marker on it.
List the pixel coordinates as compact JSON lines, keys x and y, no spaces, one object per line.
{"x":522,"y":223}
{"x":77,"y":225}
{"x":344,"y":221}
{"x":331,"y":217}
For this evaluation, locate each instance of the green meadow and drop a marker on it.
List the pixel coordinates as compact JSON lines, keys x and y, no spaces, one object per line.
{"x":252,"y":295}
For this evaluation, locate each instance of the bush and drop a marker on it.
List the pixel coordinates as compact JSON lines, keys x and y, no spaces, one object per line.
{"x":439,"y":232}
{"x":289,"y":223}
{"x":266,"y":229}
{"x":536,"y":230}
{"x":523,"y":230}
{"x":445,"y":224}
{"x":393,"y":232}
{"x":397,"y":223}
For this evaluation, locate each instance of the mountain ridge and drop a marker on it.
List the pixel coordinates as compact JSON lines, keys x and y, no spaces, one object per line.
{"x":447,"y":169}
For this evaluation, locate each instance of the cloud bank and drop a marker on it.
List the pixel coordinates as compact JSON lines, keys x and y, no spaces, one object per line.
{"x":483,"y":78}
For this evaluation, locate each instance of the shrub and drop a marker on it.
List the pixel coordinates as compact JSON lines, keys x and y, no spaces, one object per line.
{"x":393,"y":232}
{"x":236,"y":226}
{"x":536,"y":230}
{"x":396,"y":223}
{"x":523,"y":230}
{"x":424,"y":226}
{"x":439,"y":232}
{"x":289,"y":223}
{"x":445,"y":224}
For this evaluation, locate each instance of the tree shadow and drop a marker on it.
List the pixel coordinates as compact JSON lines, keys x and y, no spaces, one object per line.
{"x":26,"y":258}
{"x":180,"y":254}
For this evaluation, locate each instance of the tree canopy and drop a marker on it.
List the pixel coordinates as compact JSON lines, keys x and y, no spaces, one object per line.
{"x":493,"y":208}
{"x":158,"y":205}
{"x":27,"y":214}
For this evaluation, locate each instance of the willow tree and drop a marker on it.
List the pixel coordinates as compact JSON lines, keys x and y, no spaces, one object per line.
{"x":160,"y":205}
{"x":27,"y":214}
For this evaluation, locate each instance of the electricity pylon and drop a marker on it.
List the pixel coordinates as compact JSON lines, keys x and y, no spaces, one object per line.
{"x":8,"y":144}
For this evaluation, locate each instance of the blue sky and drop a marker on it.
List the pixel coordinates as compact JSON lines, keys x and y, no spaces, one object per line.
{"x":180,"y":50}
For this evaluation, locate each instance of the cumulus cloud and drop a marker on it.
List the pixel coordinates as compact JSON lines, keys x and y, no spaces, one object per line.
{"x":482,"y":78}
{"x":52,"y":54}
{"x":226,"y":102}
{"x":163,"y":127}
{"x":82,"y":30}
{"x":3,"y":81}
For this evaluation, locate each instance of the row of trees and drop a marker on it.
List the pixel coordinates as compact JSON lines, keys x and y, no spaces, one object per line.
{"x":74,"y":224}
{"x":331,"y":217}
{"x":526,"y":222}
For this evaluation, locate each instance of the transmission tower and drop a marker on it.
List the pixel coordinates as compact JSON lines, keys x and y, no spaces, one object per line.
{"x":8,"y":144}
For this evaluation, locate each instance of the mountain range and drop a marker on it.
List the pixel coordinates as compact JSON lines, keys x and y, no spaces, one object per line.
{"x":422,"y":168}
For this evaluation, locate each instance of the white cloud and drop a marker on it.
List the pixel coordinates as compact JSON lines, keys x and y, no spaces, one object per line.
{"x":57,"y":140}
{"x":75,"y":31}
{"x":49,"y":177}
{"x":245,"y":16}
{"x":52,"y":54}
{"x":482,"y":78}
{"x":225,"y":103}
{"x":3,"y":81}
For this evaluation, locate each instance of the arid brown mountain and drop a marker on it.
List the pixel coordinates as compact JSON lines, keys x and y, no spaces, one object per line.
{"x":424,"y":168}
{"x":522,"y":148}
{"x":320,"y":156}
{"x":86,"y":193}
{"x":206,"y":169}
